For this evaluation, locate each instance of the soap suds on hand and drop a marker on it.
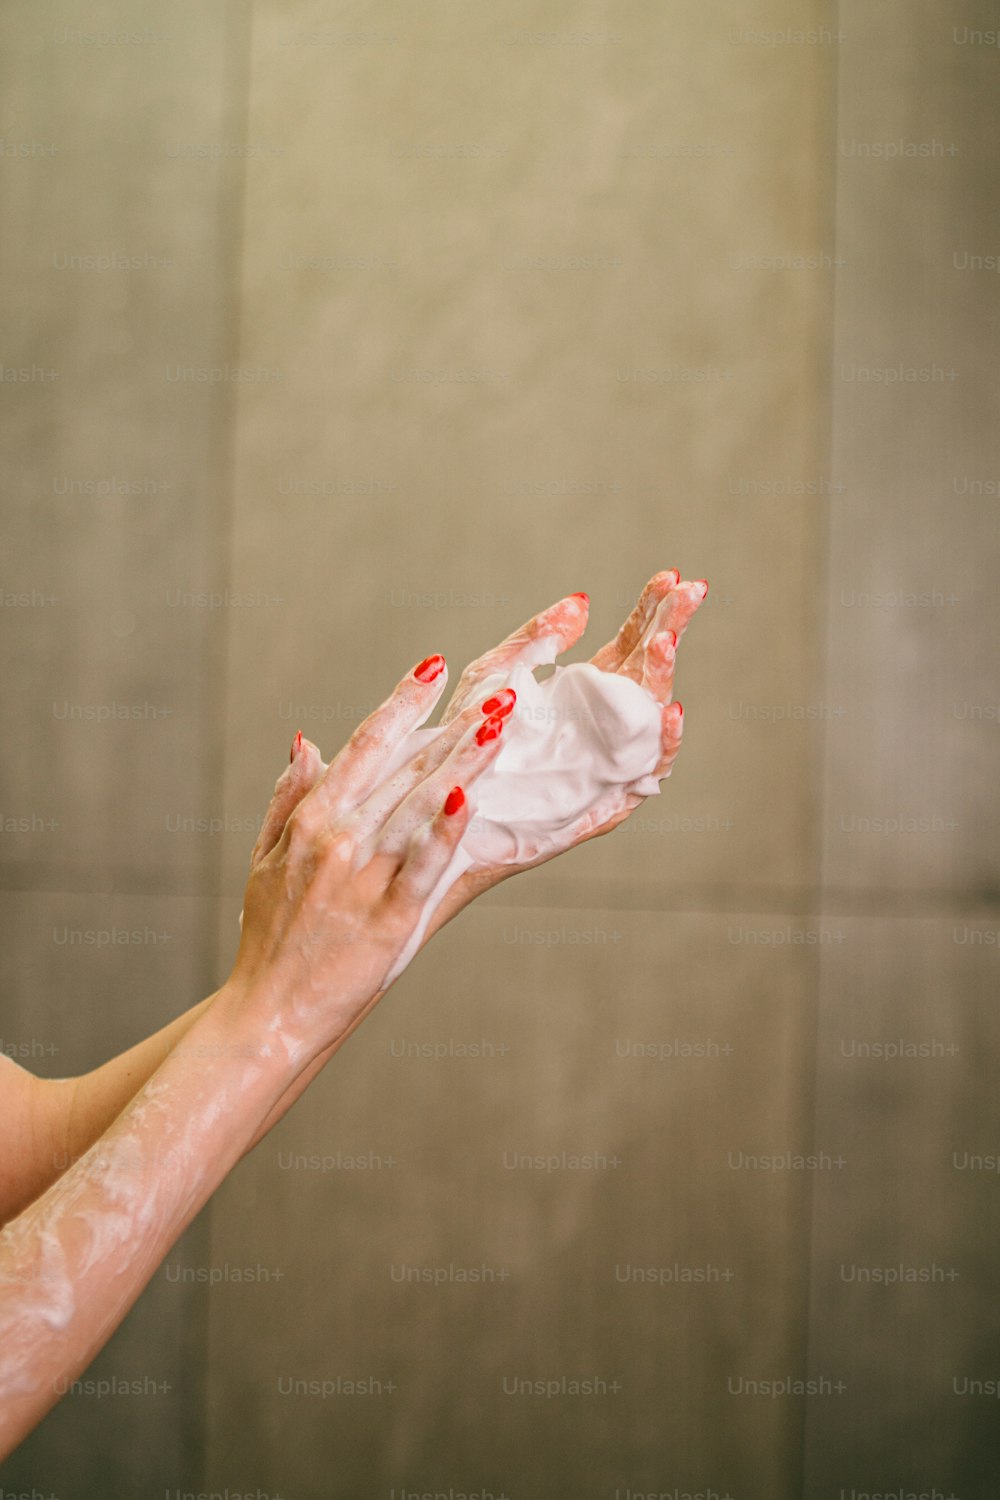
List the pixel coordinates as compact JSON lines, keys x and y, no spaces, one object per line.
{"x":575,"y":745}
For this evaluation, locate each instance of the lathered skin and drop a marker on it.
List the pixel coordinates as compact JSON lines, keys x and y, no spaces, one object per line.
{"x":575,"y":744}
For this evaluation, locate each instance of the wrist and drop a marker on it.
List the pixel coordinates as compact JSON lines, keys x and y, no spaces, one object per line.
{"x":255,"y":1023}
{"x":238,"y":1026}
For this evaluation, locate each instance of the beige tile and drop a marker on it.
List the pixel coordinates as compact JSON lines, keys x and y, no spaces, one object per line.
{"x":88,"y":975}
{"x":554,"y":469}
{"x":908,"y":1020}
{"x":394,"y":514}
{"x":913,"y":540}
{"x":113,"y":483}
{"x":115,"y":471}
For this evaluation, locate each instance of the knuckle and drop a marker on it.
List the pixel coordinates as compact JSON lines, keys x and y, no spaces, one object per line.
{"x":482,"y":667}
{"x":305,"y":823}
{"x":421,"y":763}
{"x":400,"y":908}
{"x":338,"y":844}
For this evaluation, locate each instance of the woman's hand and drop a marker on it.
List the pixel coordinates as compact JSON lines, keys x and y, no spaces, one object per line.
{"x":344,"y":864}
{"x":345,"y":861}
{"x":644,"y":650}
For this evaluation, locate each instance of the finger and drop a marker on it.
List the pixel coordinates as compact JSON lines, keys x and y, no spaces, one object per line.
{"x":653,"y":666}
{"x":610,"y":657}
{"x":441,"y":824}
{"x":499,"y":703}
{"x":358,"y":767}
{"x":431,"y":850}
{"x":536,"y":641}
{"x":676,"y":609}
{"x":391,"y":834}
{"x":671,"y":733}
{"x":387,"y":796}
{"x":305,"y":768}
{"x":673,"y":613}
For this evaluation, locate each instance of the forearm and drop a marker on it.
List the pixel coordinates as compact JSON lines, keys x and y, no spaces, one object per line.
{"x":97,"y":1098}
{"x":75,"y":1261}
{"x":67,"y":1115}
{"x":58,"y":1119}
{"x":70,"y":1114}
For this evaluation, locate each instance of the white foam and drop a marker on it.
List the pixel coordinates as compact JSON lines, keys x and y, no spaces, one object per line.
{"x":573,"y":747}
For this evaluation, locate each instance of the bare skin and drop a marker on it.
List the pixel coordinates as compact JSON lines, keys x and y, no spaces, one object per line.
{"x":336,"y":887}
{"x":665,"y":600}
{"x":50,"y":1122}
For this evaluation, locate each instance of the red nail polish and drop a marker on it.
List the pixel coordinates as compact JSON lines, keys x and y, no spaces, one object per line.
{"x":454,"y":800}
{"x":673,"y":637}
{"x":581,"y":595}
{"x":500,"y":703}
{"x":296,"y":746}
{"x":429,"y":668}
{"x":680,"y":710}
{"x":703,"y":582}
{"x":490,"y":729}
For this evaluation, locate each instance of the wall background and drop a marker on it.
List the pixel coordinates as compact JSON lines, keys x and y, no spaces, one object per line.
{"x":369,"y":210}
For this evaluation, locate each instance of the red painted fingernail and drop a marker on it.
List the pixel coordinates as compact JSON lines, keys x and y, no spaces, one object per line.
{"x":680,"y":710}
{"x":581,"y":595}
{"x":296,"y":746}
{"x":673,"y":637}
{"x":490,"y":729}
{"x":703,"y":582}
{"x":500,"y":703}
{"x":429,"y":668}
{"x":454,"y":800}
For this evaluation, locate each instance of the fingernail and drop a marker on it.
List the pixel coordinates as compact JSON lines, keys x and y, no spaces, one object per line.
{"x":581,"y":595}
{"x":490,"y":729}
{"x":454,"y":800}
{"x":680,"y":710}
{"x":673,"y":636}
{"x":429,"y":668}
{"x":296,"y":746}
{"x":704,"y":584}
{"x":500,"y":703}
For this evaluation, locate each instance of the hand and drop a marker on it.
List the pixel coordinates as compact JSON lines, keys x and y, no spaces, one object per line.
{"x":344,"y":864}
{"x":644,"y":650}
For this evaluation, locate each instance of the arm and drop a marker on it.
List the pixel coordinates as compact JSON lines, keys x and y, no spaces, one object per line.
{"x":57,"y":1120}
{"x":70,"y":1114}
{"x":51,"y":1122}
{"x":327,"y":914}
{"x":644,"y":649}
{"x":75,"y":1261}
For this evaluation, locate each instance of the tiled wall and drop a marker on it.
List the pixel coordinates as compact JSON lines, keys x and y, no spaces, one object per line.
{"x":908,"y":1031}
{"x":503,"y":308}
{"x":527,"y":427}
{"x":119,"y":251}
